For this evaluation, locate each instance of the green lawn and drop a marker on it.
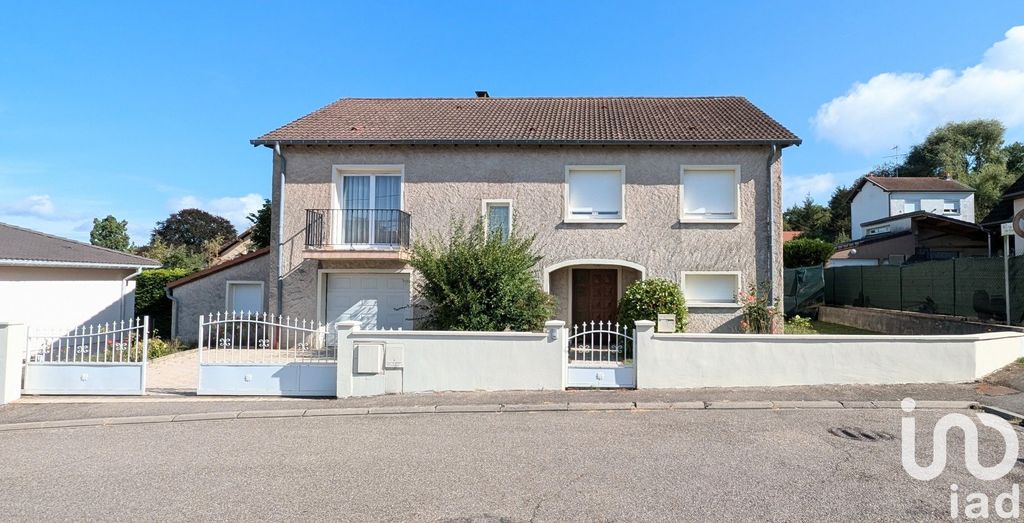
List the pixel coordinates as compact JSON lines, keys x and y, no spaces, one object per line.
{"x":820,"y":327}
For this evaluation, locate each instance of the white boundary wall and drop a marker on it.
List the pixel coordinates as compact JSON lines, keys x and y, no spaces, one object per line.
{"x":745,"y":360}
{"x":382,"y":362}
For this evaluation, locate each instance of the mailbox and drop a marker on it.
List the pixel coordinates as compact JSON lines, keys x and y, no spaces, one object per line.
{"x":666,"y":323}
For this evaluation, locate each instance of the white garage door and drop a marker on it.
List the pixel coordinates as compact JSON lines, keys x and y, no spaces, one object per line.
{"x":378,"y":301}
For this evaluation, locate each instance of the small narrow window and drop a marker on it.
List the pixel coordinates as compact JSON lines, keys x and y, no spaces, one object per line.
{"x":498,"y":217}
{"x":711,"y":289}
{"x":594,"y":193}
{"x":709,"y":194}
{"x":244,"y":296}
{"x":950,"y":207}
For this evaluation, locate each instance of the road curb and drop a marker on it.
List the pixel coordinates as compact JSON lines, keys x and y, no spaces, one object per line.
{"x":499,"y":408}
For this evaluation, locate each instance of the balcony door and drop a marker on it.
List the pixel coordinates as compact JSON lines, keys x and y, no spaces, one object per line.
{"x":370,"y":209}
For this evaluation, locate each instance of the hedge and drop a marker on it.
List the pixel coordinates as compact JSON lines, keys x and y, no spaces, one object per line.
{"x":151,"y":297}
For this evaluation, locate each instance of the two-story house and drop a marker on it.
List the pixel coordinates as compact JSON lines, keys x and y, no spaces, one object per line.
{"x":615,"y":189}
{"x":901,"y":220}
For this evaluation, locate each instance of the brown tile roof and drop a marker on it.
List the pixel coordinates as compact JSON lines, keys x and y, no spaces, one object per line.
{"x":613,"y":120}
{"x":20,"y":246}
{"x":198,"y":275}
{"x":911,"y":183}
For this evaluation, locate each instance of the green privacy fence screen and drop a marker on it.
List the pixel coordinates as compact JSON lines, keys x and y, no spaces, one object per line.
{"x":803,"y":290}
{"x":968,"y":287}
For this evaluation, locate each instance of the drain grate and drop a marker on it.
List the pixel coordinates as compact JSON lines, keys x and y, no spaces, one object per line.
{"x":859,"y":434}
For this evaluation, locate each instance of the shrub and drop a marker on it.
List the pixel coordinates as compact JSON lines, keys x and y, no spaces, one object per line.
{"x":158,"y":347}
{"x":474,"y":281}
{"x":151,"y":298}
{"x":806,"y":252}
{"x":645,"y":299}
{"x":760,"y":314}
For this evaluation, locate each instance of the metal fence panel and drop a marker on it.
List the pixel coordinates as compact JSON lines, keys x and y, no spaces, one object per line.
{"x":804,"y":290}
{"x":881,"y":287}
{"x":847,"y":288}
{"x":928,"y":287}
{"x":979,"y":288}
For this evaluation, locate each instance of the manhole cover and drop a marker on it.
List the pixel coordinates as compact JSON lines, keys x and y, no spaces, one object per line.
{"x":858,"y":434}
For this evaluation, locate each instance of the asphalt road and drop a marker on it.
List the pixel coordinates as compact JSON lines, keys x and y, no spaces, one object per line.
{"x":778,"y":465}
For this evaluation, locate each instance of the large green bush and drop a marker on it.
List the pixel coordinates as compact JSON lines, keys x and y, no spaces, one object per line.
{"x":470,"y":280}
{"x":151,"y":298}
{"x":646,"y":299}
{"x":806,"y":252}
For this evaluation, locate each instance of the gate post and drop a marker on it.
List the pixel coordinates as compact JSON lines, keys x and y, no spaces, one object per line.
{"x":558,"y":336}
{"x":644,"y":335}
{"x":344,"y":354}
{"x":13,"y":344}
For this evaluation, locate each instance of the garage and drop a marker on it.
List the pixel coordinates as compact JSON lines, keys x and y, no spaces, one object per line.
{"x":376,"y":300}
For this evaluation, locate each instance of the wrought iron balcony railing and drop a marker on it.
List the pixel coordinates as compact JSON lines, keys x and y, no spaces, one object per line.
{"x":357,"y":229}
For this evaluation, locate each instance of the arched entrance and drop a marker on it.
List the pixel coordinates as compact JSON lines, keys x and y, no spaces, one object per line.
{"x":588,"y":290}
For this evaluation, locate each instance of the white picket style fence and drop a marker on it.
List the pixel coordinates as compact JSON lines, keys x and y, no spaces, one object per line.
{"x":263,"y":354}
{"x":601,"y":355}
{"x":106,"y":358}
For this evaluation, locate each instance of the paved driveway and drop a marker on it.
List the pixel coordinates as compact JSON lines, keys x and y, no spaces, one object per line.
{"x":562,"y":466}
{"x":176,"y":373}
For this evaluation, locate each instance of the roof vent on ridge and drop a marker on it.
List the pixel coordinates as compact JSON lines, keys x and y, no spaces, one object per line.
{"x":482,"y":94}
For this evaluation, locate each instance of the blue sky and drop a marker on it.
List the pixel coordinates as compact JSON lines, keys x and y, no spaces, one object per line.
{"x":138,"y":109}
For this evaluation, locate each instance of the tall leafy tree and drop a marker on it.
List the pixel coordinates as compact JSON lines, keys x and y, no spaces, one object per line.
{"x":110,"y":233}
{"x":260,"y":226}
{"x":193,"y":229}
{"x":839,"y":214}
{"x":810,"y":218}
{"x":970,"y":152}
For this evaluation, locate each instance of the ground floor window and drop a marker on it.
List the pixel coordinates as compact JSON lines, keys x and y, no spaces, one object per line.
{"x":711,"y":289}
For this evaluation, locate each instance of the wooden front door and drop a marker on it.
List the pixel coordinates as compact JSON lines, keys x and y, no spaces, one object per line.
{"x":595,"y":294}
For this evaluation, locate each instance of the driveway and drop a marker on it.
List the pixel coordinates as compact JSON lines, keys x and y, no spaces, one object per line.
{"x":780,"y":465}
{"x":176,"y":373}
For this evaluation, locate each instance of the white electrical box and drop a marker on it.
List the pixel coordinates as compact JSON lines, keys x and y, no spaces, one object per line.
{"x":394,"y":356}
{"x":666,"y":323}
{"x":368,"y":358}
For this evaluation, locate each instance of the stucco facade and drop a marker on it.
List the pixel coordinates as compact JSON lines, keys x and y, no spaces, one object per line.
{"x":208,"y":294}
{"x":65,"y":297}
{"x":441,"y":182}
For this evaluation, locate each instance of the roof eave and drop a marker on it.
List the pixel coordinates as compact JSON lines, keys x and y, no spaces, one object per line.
{"x":13,"y":262}
{"x":271,"y":142}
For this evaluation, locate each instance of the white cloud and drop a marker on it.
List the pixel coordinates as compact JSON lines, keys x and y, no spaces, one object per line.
{"x":35,"y":206}
{"x":901,"y":108}
{"x":234,"y":208}
{"x":818,"y":186}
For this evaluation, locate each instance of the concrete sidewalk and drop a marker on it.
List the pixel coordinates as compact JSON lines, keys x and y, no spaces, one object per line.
{"x":47,"y":409}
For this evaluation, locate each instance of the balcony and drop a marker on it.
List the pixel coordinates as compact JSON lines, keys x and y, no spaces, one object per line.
{"x":357,"y":234}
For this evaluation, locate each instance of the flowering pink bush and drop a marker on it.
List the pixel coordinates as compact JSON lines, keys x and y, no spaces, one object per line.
{"x":760,"y":314}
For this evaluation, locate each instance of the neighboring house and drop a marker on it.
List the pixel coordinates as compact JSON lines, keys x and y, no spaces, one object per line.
{"x":913,"y":237}
{"x":1009,"y":209}
{"x":790,"y":235}
{"x":234,"y":248}
{"x":876,"y":198}
{"x":51,"y":282}
{"x":237,"y":285}
{"x":615,"y":189}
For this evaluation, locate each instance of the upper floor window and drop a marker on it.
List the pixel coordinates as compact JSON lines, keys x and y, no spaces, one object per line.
{"x":594,"y":193}
{"x":709,"y":193}
{"x":950,"y":207}
{"x":498,"y":217}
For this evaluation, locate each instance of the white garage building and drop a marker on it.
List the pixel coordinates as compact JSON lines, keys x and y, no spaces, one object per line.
{"x":52,"y":282}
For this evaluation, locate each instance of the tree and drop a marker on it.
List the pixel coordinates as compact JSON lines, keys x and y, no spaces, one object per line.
{"x":260,"y":226}
{"x":645,"y":299}
{"x":110,"y":233}
{"x":971,"y":153}
{"x":193,"y":229}
{"x":806,"y":252}
{"x":1015,"y":159}
{"x":179,"y":256}
{"x":470,"y":280}
{"x":839,"y":214}
{"x":810,"y":218}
